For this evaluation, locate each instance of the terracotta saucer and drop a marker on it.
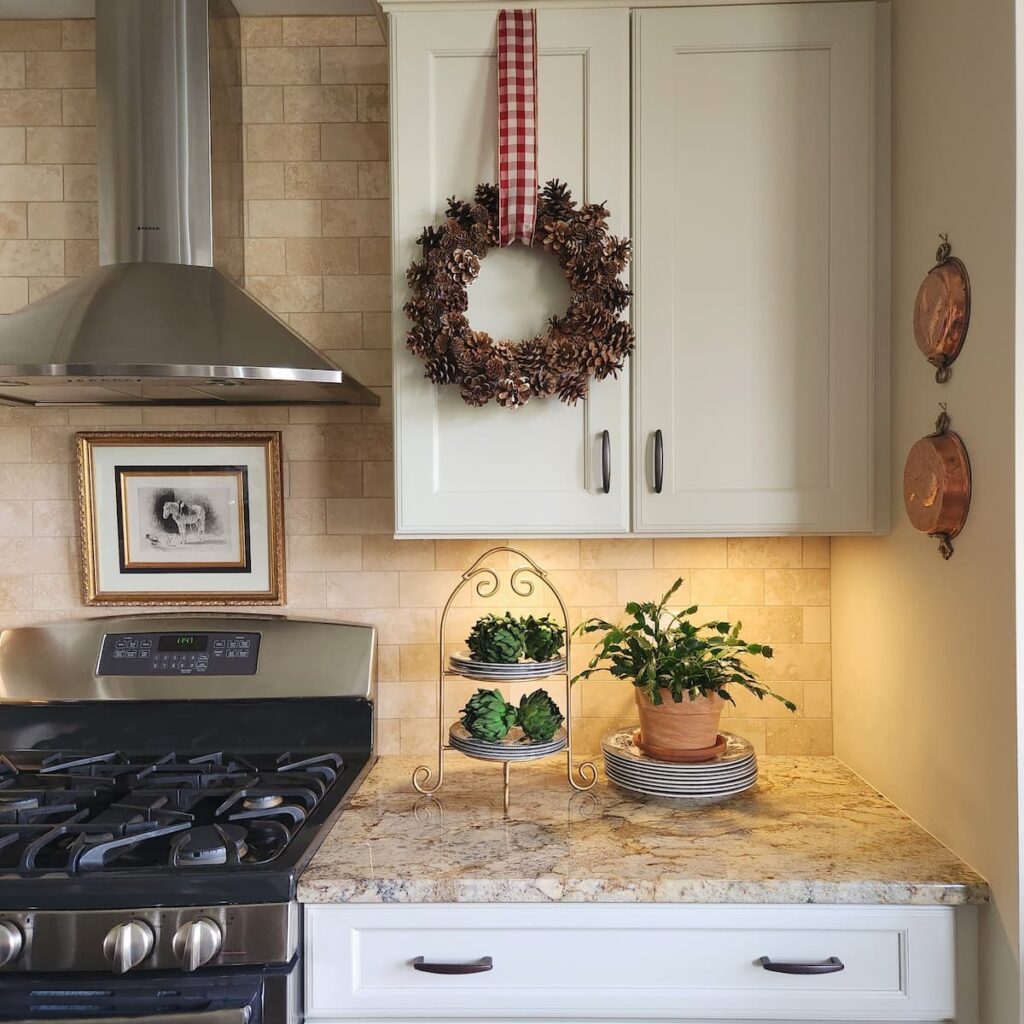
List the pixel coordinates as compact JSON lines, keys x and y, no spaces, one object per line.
{"x":682,"y":756}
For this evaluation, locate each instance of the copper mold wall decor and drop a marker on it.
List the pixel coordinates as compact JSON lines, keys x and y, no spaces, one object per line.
{"x":942,"y":311}
{"x":937,"y":485}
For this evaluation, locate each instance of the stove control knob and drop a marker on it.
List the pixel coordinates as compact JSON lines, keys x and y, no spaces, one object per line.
{"x":12,"y":941}
{"x":127,"y":945}
{"x":197,"y":942}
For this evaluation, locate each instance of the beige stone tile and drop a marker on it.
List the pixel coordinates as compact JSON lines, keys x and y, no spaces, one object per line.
{"x":362,"y":589}
{"x":325,"y":480}
{"x":403,"y":625}
{"x":40,"y":287}
{"x":816,"y":552}
{"x":282,"y":65}
{"x":419,"y":662}
{"x":306,"y":590}
{"x":13,"y":220}
{"x":18,"y":34}
{"x":25,"y":556}
{"x":171,"y":416}
{"x":356,"y":293}
{"x":80,"y":183}
{"x":30,"y":106}
{"x":52,"y":444}
{"x":368,"y":31}
{"x":373,"y":102}
{"x":12,"y":145}
{"x":797,"y":586}
{"x":419,"y":737}
{"x":28,"y":182}
{"x":329,"y":179}
{"x":319,"y":31}
{"x":460,"y":554}
{"x":727,"y":586}
{"x":42,"y":480}
{"x":12,"y":70}
{"x":261,"y":32}
{"x":354,"y":64}
{"x":616,"y":554}
{"x":817,"y":702}
{"x":407,"y":700}
{"x":80,"y":256}
{"x":78,"y":107}
{"x":60,"y":145}
{"x":353,"y":142}
{"x":283,"y":142}
{"x":16,"y":518}
{"x":585,"y":586}
{"x":262,"y":104}
{"x":305,"y":516}
{"x":378,"y":480}
{"x":374,"y":256}
{"x":389,"y":553}
{"x":312,"y":553}
{"x":319,"y":103}
{"x":748,"y":706}
{"x":32,"y":257}
{"x":359,"y":441}
{"x":13,"y":293}
{"x":764,"y":624}
{"x":426,"y":589}
{"x":265,"y":256}
{"x":794,"y":662}
{"x":801,"y":736}
{"x":118,"y":416}
{"x":284,"y":218}
{"x":63,"y":220}
{"x":287,"y":294}
{"x":389,"y":737}
{"x":754,"y":730}
{"x":360,"y":515}
{"x":263,"y":180}
{"x":371,"y":367}
{"x":322,"y":255}
{"x":691,"y":553}
{"x":647,"y":585}
{"x":817,"y":625}
{"x":357,"y":217}
{"x":374,"y":179}
{"x":67,"y":70}
{"x":330,"y":330}
{"x":16,"y":443}
{"x":765,"y":552}
{"x":16,"y":592}
{"x":78,"y":34}
{"x":387,"y":662}
{"x":605,"y":698}
{"x":302,"y":442}
{"x":376,"y":328}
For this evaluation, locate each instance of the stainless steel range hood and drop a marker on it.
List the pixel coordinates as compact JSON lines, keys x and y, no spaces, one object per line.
{"x":163,"y":321}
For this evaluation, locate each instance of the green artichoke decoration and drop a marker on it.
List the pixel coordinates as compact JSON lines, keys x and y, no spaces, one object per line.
{"x":542,"y":638}
{"x":488,"y":716}
{"x":539,"y":716}
{"x":497,"y":639}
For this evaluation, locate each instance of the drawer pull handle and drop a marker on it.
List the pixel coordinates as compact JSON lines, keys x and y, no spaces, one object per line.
{"x":606,"y":462}
{"x":485,"y":963}
{"x":659,"y":462}
{"x":833,"y":965}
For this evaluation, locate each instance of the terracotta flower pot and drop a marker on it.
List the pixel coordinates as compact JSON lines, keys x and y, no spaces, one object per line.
{"x":688,"y":725}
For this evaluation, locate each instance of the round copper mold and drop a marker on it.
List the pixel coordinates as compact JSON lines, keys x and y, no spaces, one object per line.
{"x":937,"y":485}
{"x":942,"y":312}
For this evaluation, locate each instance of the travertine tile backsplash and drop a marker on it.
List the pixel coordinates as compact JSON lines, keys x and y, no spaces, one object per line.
{"x":316,"y":250}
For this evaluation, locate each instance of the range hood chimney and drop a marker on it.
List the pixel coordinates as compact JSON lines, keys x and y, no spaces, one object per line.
{"x":164,"y":321}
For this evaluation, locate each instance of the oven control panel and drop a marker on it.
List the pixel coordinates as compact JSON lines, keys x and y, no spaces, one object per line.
{"x":179,"y":654}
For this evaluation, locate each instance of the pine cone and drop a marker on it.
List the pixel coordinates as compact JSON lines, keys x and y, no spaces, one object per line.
{"x":419,"y":341}
{"x":477,"y":389}
{"x":473,"y":352}
{"x":600,"y":360}
{"x":459,"y":211}
{"x":620,"y":338}
{"x":484,"y":236}
{"x":442,"y":369}
{"x":544,"y":383}
{"x":463,"y":266}
{"x":556,"y":235}
{"x":590,"y":320}
{"x":513,"y":392}
{"x":583,"y":273}
{"x":594,"y":214}
{"x":573,"y":388}
{"x":420,"y":311}
{"x":616,"y":295}
{"x":557,"y":200}
{"x":430,"y":239}
{"x":562,"y":355}
{"x":417,"y":275}
{"x":487,"y":196}
{"x":454,"y":236}
{"x":618,"y":252}
{"x":496,"y":367}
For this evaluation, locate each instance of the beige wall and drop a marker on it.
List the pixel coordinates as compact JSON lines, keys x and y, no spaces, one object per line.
{"x":316,"y":179}
{"x":924,"y":670}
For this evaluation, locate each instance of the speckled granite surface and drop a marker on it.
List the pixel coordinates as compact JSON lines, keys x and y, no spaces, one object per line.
{"x":809,"y":832}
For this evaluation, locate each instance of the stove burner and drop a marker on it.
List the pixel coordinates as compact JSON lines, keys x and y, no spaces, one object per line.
{"x":17,"y":801}
{"x":262,"y":801}
{"x":210,"y":844}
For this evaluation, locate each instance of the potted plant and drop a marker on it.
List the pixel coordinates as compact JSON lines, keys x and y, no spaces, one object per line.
{"x":681,"y":671}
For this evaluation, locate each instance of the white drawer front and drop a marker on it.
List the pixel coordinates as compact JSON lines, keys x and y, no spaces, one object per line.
{"x":598,"y":961}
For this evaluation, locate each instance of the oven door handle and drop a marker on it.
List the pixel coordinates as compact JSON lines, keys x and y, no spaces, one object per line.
{"x":237,"y":1016}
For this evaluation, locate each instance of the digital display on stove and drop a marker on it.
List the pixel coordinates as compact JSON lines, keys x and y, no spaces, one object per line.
{"x":183,"y":642}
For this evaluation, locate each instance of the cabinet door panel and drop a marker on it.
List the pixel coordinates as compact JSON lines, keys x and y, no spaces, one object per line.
{"x":756,"y":276}
{"x":496,"y":472}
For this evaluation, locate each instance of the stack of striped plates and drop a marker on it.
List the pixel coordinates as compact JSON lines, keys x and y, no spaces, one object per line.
{"x":463,"y":664}
{"x":732,"y":772}
{"x":514,"y":747}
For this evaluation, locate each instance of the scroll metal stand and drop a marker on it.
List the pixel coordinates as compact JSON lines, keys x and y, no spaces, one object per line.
{"x":427,"y":780}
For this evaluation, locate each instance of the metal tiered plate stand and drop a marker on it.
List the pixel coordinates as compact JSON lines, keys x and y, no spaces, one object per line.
{"x":429,"y":780}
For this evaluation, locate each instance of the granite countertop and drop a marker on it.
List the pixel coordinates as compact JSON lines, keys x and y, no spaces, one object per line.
{"x":809,"y":832}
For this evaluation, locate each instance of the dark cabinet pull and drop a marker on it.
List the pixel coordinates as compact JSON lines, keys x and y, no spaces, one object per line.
{"x":833,"y":965}
{"x":659,"y":462}
{"x":485,"y":963}
{"x":606,"y":461}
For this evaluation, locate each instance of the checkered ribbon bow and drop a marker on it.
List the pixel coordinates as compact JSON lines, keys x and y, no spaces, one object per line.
{"x":517,"y":126}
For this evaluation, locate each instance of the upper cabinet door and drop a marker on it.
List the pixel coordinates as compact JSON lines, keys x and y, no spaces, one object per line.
{"x":760,"y":206}
{"x":492,"y":471}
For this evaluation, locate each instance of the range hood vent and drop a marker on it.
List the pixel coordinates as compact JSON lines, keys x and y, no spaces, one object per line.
{"x":164,"y":321}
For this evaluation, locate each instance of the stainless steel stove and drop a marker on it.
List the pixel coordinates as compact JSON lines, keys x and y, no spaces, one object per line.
{"x":163,"y":782}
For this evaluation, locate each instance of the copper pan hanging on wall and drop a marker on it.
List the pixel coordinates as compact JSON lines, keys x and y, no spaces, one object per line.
{"x":942,"y":311}
{"x":937,"y":485}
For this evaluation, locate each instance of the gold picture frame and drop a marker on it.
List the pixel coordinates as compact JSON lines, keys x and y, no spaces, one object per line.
{"x":171,"y":518}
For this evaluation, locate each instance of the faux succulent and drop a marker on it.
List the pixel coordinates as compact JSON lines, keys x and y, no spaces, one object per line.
{"x":659,"y":650}
{"x":506,"y":638}
{"x":539,"y":716}
{"x":488,"y":716}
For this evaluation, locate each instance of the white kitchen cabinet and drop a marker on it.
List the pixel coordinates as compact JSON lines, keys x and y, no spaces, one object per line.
{"x":638,"y":962}
{"x":493,"y":471}
{"x":760,"y":226}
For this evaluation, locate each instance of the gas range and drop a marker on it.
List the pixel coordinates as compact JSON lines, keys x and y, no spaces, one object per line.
{"x":158,"y":802}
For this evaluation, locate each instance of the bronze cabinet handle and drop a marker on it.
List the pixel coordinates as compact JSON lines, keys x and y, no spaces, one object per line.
{"x":485,"y":963}
{"x":833,"y":965}
{"x":659,"y":462}
{"x":606,"y":461}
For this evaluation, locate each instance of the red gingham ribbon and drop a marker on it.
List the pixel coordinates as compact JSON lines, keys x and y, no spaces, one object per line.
{"x":517,"y":126}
